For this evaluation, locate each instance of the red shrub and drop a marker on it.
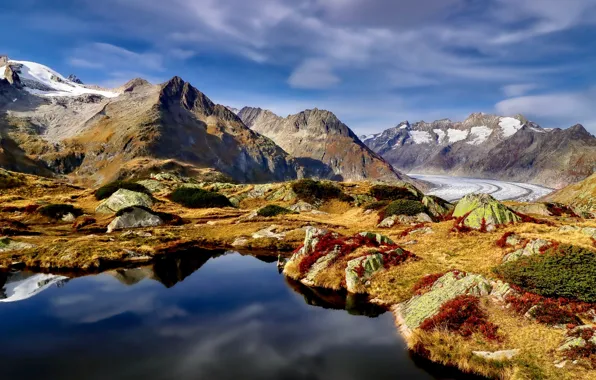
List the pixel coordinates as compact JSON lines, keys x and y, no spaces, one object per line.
{"x":550,"y":311}
{"x":395,"y":257}
{"x":529,"y":219}
{"x":425,"y":283}
{"x":588,"y":351}
{"x":502,"y":242}
{"x":483,"y":225}
{"x":464,"y":316}
{"x":459,"y":226}
{"x":593,"y":242}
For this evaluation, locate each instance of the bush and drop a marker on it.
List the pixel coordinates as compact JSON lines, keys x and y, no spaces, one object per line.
{"x":462,"y":315}
{"x":404,"y":207}
{"x":199,"y":198}
{"x":391,"y":193}
{"x":58,"y":211}
{"x":561,"y":271}
{"x":9,"y":181}
{"x":109,"y":189}
{"x":273,"y":210}
{"x":167,"y":218}
{"x":376,"y":205}
{"x":312,"y":191}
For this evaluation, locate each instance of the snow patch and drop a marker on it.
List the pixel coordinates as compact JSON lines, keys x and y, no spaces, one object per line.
{"x":479,"y":134}
{"x":420,"y":137}
{"x":510,"y":126}
{"x":456,"y":135}
{"x":22,"y":288}
{"x":404,"y":126}
{"x":369,"y":137}
{"x":440,"y":133}
{"x":53,"y":83}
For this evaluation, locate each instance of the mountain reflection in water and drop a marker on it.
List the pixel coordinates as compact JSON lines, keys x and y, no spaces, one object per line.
{"x":201,"y":315}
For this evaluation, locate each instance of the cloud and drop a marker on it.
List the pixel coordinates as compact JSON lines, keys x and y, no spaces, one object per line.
{"x":513,"y":90}
{"x":558,"y":109}
{"x":313,"y":74}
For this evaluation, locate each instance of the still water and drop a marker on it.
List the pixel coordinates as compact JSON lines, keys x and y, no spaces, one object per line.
{"x":206,"y":315}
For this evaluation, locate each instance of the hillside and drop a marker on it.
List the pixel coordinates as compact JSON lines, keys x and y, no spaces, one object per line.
{"x":580,"y":195}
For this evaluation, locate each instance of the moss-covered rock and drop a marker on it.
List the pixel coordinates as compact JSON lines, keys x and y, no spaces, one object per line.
{"x":135,"y":217}
{"x":379,"y":238}
{"x":360,"y":270}
{"x":122,"y":199}
{"x":436,"y":206}
{"x":482,"y":210}
{"x":533,"y":247}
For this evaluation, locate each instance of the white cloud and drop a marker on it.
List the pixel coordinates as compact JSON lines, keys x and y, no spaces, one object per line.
{"x":313,"y":74}
{"x":514,"y":90}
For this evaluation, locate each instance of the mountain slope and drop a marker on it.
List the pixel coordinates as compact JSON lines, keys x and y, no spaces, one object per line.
{"x":490,"y":146}
{"x":324,"y":145}
{"x":580,"y":195}
{"x":139,"y":127}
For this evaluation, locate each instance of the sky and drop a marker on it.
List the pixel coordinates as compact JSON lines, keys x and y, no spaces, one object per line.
{"x":374,"y":63}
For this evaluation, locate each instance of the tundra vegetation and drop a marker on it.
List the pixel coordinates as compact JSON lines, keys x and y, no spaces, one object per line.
{"x":476,"y":285}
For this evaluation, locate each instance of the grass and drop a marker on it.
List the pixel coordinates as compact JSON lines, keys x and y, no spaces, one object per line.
{"x":10,"y":181}
{"x":561,"y":271}
{"x":58,"y":211}
{"x":107,"y":190}
{"x":199,"y":198}
{"x":274,"y":210}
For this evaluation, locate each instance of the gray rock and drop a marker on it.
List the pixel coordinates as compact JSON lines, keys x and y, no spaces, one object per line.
{"x":122,"y":199}
{"x":302,"y":206}
{"x":381,"y":239}
{"x":356,"y":279}
{"x":135,"y":218}
{"x":497,"y":355}
{"x":7,"y":244}
{"x":532,"y":248}
{"x":69,"y":218}
{"x":269,"y":232}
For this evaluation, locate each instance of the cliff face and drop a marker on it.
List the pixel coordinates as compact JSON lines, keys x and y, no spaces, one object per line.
{"x":322,"y":144}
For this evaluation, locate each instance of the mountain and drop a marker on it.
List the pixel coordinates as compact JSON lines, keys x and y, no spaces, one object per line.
{"x":580,"y":195}
{"x":50,"y":124}
{"x":322,"y":144}
{"x":490,"y":146}
{"x":19,"y":286}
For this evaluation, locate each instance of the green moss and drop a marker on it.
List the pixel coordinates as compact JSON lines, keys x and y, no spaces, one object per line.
{"x":392,"y":193}
{"x":375,"y":205}
{"x":199,"y":198}
{"x":273,"y":210}
{"x":312,"y":191}
{"x":404,"y":207}
{"x":561,"y":271}
{"x":58,"y":211}
{"x":109,"y":189}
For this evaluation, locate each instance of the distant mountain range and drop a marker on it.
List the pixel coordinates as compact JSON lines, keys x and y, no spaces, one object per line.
{"x":489,"y":146}
{"x":51,"y":124}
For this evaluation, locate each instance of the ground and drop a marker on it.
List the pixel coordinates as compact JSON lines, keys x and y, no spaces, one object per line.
{"x":59,"y":246}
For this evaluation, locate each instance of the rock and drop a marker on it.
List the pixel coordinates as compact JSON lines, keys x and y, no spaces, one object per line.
{"x":136,"y":233}
{"x":69,"y":218}
{"x":453,"y":284}
{"x":497,"y":355}
{"x":317,"y":212}
{"x":381,"y":239}
{"x":360,"y":270}
{"x":560,"y":364}
{"x":422,"y":231}
{"x":532,"y":248}
{"x":513,"y":240}
{"x":532,"y":209}
{"x":269,"y":232}
{"x":311,"y":239}
{"x":474,"y":208}
{"x":240,"y":242}
{"x":7,"y":245}
{"x":154,"y":186}
{"x":416,"y":219}
{"x":122,"y":199}
{"x":436,"y":206}
{"x":211,"y":223}
{"x":135,"y":218}
{"x":301,"y":206}
{"x":387,"y":222}
{"x":572,"y":342}
{"x":362,"y":199}
{"x":320,"y":265}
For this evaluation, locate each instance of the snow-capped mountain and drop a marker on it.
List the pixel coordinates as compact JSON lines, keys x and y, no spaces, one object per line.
{"x":489,"y":146}
{"x":20,"y":286}
{"x":40,"y":80}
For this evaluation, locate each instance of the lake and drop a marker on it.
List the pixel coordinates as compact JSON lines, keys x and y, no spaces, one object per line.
{"x":205,"y":315}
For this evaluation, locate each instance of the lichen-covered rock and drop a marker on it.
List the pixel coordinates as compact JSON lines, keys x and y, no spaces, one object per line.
{"x":320,"y":265}
{"x":301,"y":206}
{"x":532,"y":248}
{"x":154,"y":186}
{"x":311,"y":239}
{"x":135,"y":218}
{"x":453,"y":284}
{"x":436,"y":206}
{"x":360,"y":270}
{"x":269,"y":232}
{"x":7,"y":244}
{"x":122,"y":199}
{"x":387,"y":222}
{"x":416,"y":219}
{"x":381,"y":239}
{"x":474,"y":208}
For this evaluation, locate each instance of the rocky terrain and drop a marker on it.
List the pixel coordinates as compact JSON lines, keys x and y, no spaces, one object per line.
{"x":325,"y":146}
{"x":489,"y":146}
{"x":581,"y":195}
{"x":502,"y":289}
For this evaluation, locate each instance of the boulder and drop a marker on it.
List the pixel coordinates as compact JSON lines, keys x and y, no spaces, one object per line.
{"x":69,"y":218}
{"x":381,"y":239}
{"x":360,"y":270}
{"x":532,"y":248}
{"x":474,"y":208}
{"x":311,"y":239}
{"x":436,"y":206}
{"x":135,"y":218}
{"x":497,"y":355}
{"x":387,"y":222}
{"x":405,"y":219}
{"x":7,"y":245}
{"x":451,"y":285}
{"x":122,"y":199}
{"x":269,"y":232}
{"x":154,"y":186}
{"x":301,"y":206}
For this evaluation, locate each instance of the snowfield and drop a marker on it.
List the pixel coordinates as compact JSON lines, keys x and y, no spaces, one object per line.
{"x":455,"y":188}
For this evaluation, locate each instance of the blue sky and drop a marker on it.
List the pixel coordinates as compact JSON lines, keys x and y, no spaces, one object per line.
{"x":372,"y":62}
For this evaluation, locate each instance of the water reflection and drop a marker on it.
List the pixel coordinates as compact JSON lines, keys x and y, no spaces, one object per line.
{"x":196,"y":317}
